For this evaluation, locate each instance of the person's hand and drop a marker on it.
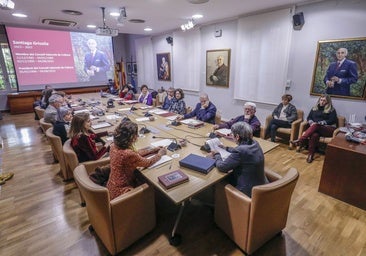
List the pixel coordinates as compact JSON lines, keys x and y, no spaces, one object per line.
{"x":179,"y":117}
{"x":275,"y":117}
{"x":162,"y":151}
{"x":215,"y":127}
{"x":212,"y":154}
{"x":330,"y":84}
{"x":205,"y":105}
{"x":215,"y":79}
{"x":335,"y":79}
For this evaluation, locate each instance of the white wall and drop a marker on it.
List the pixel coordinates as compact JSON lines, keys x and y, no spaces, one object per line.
{"x":324,"y":21}
{"x":327,"y":20}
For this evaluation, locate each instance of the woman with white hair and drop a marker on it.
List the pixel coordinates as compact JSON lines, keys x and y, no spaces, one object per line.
{"x":246,"y":160}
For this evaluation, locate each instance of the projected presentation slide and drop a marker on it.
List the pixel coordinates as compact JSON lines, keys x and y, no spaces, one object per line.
{"x":60,"y":58}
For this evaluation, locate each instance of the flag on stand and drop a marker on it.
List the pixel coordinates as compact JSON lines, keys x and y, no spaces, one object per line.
{"x":116,"y":77}
{"x":123,"y":73}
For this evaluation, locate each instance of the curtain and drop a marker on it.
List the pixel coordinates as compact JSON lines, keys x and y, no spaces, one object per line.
{"x":263,"y":47}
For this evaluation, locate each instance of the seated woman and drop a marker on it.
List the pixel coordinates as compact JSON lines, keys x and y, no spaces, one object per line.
{"x":145,"y":97}
{"x":178,"y":105}
{"x":126,"y":93}
{"x":83,"y":139}
{"x":125,"y":159}
{"x":283,"y":115}
{"x":61,"y":128}
{"x":246,"y":160}
{"x":322,"y":121}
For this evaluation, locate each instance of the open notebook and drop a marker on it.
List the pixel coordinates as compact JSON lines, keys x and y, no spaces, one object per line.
{"x":164,"y":159}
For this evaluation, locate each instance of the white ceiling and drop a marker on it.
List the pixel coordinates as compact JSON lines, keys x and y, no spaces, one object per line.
{"x":160,"y":15}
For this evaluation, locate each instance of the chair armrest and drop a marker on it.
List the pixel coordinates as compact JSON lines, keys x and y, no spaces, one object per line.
{"x":302,"y":127}
{"x":268,"y":119}
{"x":336,"y":131}
{"x":295,"y":126}
{"x":91,"y":165}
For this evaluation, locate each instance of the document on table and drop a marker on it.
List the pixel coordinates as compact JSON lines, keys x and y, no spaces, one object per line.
{"x":101,"y":125}
{"x":142,"y":119}
{"x":163,"y":159}
{"x":214,"y":146}
{"x":224,"y":131}
{"x":162,"y":143}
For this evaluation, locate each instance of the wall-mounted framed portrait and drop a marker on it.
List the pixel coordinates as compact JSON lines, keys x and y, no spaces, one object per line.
{"x":163,"y":66}
{"x":339,"y":68}
{"x":218,"y":67}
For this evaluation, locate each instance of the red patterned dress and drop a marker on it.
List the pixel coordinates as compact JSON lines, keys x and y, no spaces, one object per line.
{"x":123,"y":164}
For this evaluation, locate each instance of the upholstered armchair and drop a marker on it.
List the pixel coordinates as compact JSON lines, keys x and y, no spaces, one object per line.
{"x":251,"y":222}
{"x":44,"y":125}
{"x":39,"y":111}
{"x":57,"y":150}
{"x":72,"y":162}
{"x":292,"y":132}
{"x":121,"y":221}
{"x":304,"y":125}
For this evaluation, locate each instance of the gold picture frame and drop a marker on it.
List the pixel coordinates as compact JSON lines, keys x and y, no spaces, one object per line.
{"x":351,"y":71}
{"x":218,"y":67}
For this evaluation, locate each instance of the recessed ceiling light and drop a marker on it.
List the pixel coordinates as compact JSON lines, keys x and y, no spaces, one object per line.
{"x":198,"y":1}
{"x":91,"y":26}
{"x":72,"y":12}
{"x":114,"y":14}
{"x":136,"y":21}
{"x":197,"y":16}
{"x":148,"y":29}
{"x":20,"y":15}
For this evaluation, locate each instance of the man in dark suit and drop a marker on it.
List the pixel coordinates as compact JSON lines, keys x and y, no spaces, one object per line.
{"x":96,"y":63}
{"x":341,"y":74}
{"x":219,"y":77}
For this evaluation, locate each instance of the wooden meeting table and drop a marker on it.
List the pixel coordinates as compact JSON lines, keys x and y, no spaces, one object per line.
{"x":161,"y":128}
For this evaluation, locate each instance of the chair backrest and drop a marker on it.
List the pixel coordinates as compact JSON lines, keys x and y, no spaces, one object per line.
{"x":300,"y":114}
{"x":44,"y":125}
{"x":39,"y":112}
{"x":56,"y":145}
{"x":71,"y":158}
{"x":270,"y":199}
{"x":218,"y":118}
{"x":97,"y":205}
{"x":341,"y":121}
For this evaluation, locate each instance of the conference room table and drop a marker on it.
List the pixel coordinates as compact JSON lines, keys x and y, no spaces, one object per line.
{"x":160,"y":128}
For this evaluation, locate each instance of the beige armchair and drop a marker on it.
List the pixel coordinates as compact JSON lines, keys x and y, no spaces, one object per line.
{"x":251,"y":222}
{"x":292,"y":132}
{"x":57,"y":150}
{"x":72,"y":162}
{"x":39,"y":111}
{"x":44,"y":125}
{"x":121,"y":221}
{"x":304,"y":125}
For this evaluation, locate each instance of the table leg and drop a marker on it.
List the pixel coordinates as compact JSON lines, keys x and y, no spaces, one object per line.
{"x":176,"y":239}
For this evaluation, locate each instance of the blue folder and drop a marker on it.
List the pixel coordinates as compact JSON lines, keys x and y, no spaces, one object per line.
{"x":198,"y":163}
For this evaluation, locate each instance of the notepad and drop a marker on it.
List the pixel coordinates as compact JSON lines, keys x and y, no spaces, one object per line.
{"x":101,"y":125}
{"x":163,"y":159}
{"x":162,"y":143}
{"x":224,"y":132}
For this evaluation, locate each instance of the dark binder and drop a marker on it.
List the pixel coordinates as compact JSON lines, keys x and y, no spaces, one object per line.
{"x":198,"y":163}
{"x":173,"y":179}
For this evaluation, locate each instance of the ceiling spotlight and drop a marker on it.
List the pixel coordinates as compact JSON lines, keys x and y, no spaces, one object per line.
{"x":190,"y":24}
{"x":198,"y":1}
{"x":7,"y":5}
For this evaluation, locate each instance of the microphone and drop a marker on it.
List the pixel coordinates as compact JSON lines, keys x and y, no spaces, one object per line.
{"x":125,"y":117}
{"x":144,"y":130}
{"x":110,"y":103}
{"x":172,"y":146}
{"x":147,"y":114}
{"x":133,"y":108}
{"x":175,"y":123}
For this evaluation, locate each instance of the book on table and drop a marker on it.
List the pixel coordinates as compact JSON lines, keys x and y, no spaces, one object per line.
{"x":198,"y":163}
{"x":172,"y":179}
{"x":216,"y":145}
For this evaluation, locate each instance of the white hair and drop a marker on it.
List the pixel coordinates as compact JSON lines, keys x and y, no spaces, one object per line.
{"x":252,"y":104}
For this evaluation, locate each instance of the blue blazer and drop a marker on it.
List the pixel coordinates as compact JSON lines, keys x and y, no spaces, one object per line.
{"x":347,"y":72}
{"x":100,"y":61}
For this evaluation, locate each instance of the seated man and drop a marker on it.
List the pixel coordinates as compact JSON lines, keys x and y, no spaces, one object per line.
{"x":248,"y":117}
{"x":205,"y":110}
{"x":168,"y":100}
{"x":52,"y":112}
